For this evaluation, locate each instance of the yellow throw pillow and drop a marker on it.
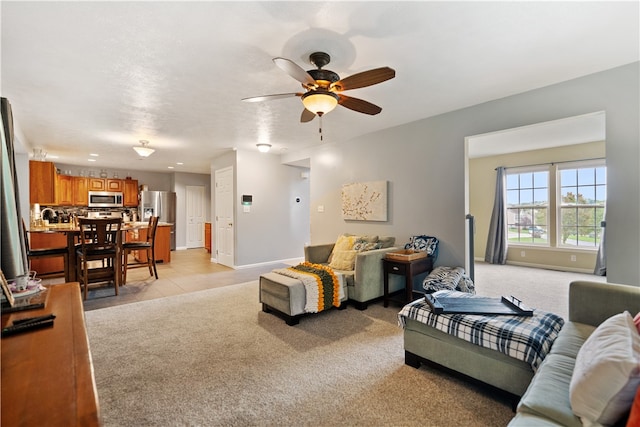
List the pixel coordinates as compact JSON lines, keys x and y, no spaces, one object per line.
{"x":343,"y":260}
{"x":344,"y":243}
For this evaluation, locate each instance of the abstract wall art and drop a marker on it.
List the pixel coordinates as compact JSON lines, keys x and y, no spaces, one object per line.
{"x":365,"y":201}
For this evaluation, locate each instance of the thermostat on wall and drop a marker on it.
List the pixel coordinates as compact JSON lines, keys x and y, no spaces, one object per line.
{"x":247,"y":199}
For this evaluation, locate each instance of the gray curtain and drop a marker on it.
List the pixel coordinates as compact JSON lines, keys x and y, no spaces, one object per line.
{"x":601,"y":260}
{"x":496,"y":252}
{"x":13,"y":250}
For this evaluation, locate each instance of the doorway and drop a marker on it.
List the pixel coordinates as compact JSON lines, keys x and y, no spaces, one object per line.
{"x":224,"y":230}
{"x":565,"y":140}
{"x":195,"y":216}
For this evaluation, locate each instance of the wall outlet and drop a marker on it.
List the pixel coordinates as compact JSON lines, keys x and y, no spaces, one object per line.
{"x":320,"y":208}
{"x":573,"y":258}
{"x":522,"y":254}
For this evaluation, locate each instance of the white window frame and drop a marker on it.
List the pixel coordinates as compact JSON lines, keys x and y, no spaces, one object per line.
{"x":583,"y":164}
{"x":548,"y":207}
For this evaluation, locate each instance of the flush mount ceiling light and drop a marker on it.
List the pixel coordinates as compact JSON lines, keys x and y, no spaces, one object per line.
{"x":144,"y":151}
{"x":263,"y":148}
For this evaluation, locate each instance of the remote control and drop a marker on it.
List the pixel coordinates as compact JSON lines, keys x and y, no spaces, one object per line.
{"x":25,"y":327}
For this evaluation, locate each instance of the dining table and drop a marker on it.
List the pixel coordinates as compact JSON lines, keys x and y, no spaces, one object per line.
{"x":72,"y":233}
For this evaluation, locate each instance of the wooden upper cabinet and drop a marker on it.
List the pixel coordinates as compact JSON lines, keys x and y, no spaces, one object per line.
{"x":80,"y":191}
{"x":114,"y":184}
{"x":64,"y":190}
{"x":42,"y":182}
{"x":97,"y":184}
{"x":130,"y":192}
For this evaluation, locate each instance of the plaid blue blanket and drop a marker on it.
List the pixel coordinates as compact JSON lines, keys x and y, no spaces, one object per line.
{"x":524,"y":338}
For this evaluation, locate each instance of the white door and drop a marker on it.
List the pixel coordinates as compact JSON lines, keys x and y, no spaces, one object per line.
{"x":195,"y":216}
{"x":224,"y":216}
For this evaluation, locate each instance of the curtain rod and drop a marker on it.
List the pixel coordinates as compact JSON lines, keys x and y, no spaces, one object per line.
{"x":553,"y":163}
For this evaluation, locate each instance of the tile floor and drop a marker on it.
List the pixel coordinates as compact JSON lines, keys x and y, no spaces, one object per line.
{"x":189,"y":271}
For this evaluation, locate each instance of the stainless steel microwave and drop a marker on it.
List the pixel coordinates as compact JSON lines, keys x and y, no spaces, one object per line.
{"x":106,"y":199}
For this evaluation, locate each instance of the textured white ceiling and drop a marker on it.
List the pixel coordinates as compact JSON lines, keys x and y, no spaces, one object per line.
{"x":96,"y":77}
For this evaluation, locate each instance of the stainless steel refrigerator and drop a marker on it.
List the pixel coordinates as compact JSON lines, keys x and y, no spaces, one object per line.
{"x":161,"y":204}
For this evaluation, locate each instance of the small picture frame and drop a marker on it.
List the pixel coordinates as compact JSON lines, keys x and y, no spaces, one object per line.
{"x":5,"y":290}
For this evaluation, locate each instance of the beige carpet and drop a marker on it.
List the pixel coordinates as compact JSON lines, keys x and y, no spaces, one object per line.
{"x":212,"y":358}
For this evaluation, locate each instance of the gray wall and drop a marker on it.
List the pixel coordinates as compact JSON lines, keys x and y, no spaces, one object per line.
{"x":277,"y":226}
{"x":425,"y":165}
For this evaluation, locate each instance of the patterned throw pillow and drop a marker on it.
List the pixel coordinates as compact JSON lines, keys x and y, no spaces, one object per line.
{"x":448,"y":278}
{"x":424,"y":243}
{"x":362,"y":246}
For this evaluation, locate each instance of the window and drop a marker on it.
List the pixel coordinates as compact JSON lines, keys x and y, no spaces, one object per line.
{"x":570,"y":219}
{"x":583,"y":193}
{"x":528,"y":207}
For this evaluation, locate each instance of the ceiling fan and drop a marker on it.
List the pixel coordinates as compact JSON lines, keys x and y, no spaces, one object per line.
{"x":323,"y":87}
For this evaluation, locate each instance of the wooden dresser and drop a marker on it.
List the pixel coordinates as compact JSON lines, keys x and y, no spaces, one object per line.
{"x":47,"y":374}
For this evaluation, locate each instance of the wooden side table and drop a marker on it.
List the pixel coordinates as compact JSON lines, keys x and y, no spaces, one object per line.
{"x":408,"y":269}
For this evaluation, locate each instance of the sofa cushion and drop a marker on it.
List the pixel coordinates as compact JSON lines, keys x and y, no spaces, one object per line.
{"x":607,"y":371}
{"x":548,"y":393}
{"x":571,"y":338}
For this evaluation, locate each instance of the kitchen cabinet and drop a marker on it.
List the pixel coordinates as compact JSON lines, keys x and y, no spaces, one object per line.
{"x":48,"y":240}
{"x":64,"y":190}
{"x":130,"y":192}
{"x":97,"y":184}
{"x":207,"y":236}
{"x":80,"y":191}
{"x":112,"y":184}
{"x":162,"y":247}
{"x":106,"y":184}
{"x":42,"y":182}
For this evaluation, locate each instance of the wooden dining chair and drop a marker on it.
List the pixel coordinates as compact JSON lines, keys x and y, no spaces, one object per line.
{"x":56,"y":252}
{"x":98,"y":257}
{"x":147,"y":245}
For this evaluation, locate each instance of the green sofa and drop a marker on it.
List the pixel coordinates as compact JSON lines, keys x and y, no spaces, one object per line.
{"x":546,"y":400}
{"x":365,"y":282}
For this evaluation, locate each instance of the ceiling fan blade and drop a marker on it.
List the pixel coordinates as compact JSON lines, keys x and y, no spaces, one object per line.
{"x":295,"y":71}
{"x":271,"y":97}
{"x":306,"y":116}
{"x":358,"y":105}
{"x":364,"y":79}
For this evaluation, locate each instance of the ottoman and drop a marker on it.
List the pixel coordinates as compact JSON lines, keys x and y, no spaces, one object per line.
{"x":286,"y":296}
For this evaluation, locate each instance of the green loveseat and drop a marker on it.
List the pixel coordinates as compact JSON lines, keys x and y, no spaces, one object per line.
{"x":365,"y":281}
{"x":546,"y":400}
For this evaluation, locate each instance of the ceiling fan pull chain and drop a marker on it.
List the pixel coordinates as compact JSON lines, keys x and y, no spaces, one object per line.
{"x":320,"y":128}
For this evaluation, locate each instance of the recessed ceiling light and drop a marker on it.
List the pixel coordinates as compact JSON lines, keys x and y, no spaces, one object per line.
{"x":91,"y":160}
{"x":179,"y":163}
{"x":94,"y":155}
{"x":169,"y":167}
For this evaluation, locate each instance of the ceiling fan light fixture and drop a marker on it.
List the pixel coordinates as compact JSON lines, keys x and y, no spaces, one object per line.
{"x":144,"y":151}
{"x":263,"y":148}
{"x":320,"y":102}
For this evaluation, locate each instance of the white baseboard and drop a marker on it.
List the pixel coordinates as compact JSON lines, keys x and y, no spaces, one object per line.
{"x":289,"y":261}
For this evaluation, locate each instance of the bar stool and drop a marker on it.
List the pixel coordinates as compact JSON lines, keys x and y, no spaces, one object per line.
{"x":147,"y":245}
{"x":100,"y":240}
{"x":46,"y":253}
